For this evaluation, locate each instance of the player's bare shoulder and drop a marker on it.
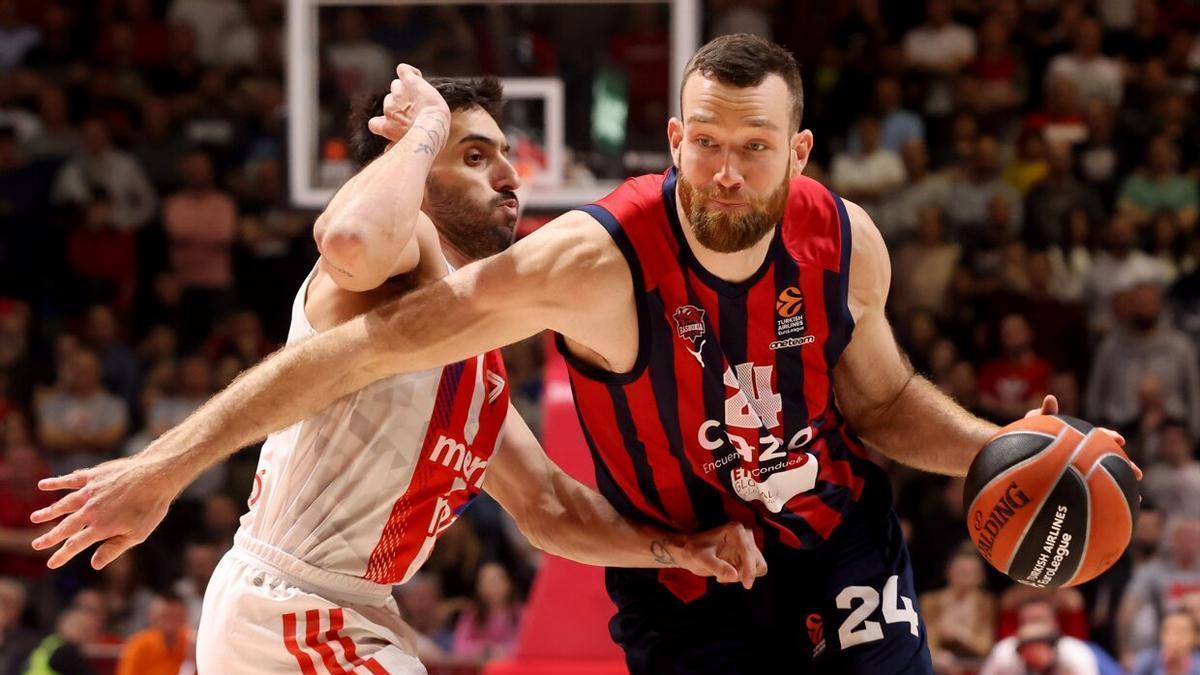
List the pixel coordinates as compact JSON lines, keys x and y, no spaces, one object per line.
{"x":590,"y":289}
{"x":870,"y":265}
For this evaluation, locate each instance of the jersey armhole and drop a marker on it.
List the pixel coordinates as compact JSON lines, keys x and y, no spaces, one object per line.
{"x":846,"y":246}
{"x":588,"y":370}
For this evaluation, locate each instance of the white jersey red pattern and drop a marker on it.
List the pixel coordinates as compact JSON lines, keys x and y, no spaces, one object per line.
{"x":363,"y":489}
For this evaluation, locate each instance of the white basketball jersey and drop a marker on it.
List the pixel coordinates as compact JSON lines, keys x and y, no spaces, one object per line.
{"x":365,"y":487}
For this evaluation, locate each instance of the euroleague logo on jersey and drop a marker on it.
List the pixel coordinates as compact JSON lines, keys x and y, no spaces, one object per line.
{"x":790,"y":321}
{"x":790,"y":302}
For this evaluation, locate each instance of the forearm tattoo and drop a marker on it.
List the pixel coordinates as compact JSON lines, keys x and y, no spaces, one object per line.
{"x":434,"y":137}
{"x":661,"y":554}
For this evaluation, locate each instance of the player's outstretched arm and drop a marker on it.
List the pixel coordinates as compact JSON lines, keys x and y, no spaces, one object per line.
{"x":564,"y":277}
{"x":887,"y":404}
{"x":367,"y":232}
{"x":560,"y":515}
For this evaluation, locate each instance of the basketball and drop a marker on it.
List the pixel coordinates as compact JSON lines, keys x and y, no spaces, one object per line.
{"x":1051,"y":501}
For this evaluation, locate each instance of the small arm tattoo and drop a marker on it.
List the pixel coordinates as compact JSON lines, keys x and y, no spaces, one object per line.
{"x":661,"y":554}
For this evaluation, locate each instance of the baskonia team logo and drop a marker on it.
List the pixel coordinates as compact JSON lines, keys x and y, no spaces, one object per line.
{"x":689,"y":322}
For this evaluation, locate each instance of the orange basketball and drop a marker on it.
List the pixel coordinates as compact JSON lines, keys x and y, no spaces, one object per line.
{"x":1051,"y":501}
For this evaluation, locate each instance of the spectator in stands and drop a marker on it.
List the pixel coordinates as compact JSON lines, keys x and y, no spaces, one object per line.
{"x":867,"y":175}
{"x":1018,"y":379}
{"x":101,"y":256}
{"x":201,"y":224}
{"x":199,"y":561}
{"x":61,"y":652}
{"x":162,"y":648}
{"x":160,"y":149}
{"x":101,"y":165}
{"x":924,"y":266}
{"x":897,"y":125}
{"x":358,"y":64}
{"x":1158,"y":586}
{"x":1040,"y":647}
{"x":1093,"y":74}
{"x":1118,"y":267}
{"x":16,"y":38}
{"x":239,"y":336}
{"x":939,"y":49}
{"x":58,"y":138}
{"x":960,"y":618}
{"x":1061,"y":119}
{"x":81,"y":424}
{"x":19,"y":497}
{"x":1173,"y":480}
{"x":488,"y":627}
{"x":1159,"y":185}
{"x":119,"y":369}
{"x":1143,"y":344}
{"x":125,"y":596}
{"x":213,"y":22}
{"x":422,"y":607}
{"x":1176,"y":654}
{"x":1051,"y":200}
{"x":974,"y":186}
{"x":1098,"y":159}
{"x":921,"y":189}
{"x":15,"y":639}
{"x":1029,"y":165}
{"x":995,"y":82}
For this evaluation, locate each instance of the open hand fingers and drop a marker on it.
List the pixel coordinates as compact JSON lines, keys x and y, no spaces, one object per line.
{"x":73,"y":546}
{"x":69,"y":526}
{"x":112,"y":549}
{"x":71,"y":481}
{"x":68,"y":504}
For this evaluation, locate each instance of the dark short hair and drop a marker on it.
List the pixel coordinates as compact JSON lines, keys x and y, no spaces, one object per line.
{"x":484,"y":93}
{"x":745,"y":60}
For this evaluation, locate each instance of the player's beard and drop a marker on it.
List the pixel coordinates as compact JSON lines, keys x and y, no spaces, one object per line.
{"x":476,"y":229}
{"x":726,"y":231}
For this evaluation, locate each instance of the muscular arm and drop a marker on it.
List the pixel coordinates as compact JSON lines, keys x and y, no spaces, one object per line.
{"x":887,"y":404}
{"x":539,"y":283}
{"x":366,"y":233}
{"x":560,"y":515}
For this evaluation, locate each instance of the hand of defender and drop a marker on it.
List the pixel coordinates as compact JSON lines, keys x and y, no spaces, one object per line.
{"x":728,"y":553}
{"x":118,"y":502}
{"x":1050,"y":407}
{"x":410,"y":95}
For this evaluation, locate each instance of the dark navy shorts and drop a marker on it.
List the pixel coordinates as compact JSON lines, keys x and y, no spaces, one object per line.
{"x":847,"y":607}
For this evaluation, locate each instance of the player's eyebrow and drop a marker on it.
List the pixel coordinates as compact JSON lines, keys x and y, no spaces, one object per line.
{"x":759,"y":121}
{"x":486,"y":140}
{"x":701,"y":118}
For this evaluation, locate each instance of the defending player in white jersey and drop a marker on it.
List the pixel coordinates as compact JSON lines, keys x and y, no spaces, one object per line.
{"x":352,"y":500}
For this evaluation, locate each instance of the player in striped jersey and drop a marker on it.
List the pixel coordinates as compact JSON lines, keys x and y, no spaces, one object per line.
{"x":729,"y":348}
{"x":353,"y":498}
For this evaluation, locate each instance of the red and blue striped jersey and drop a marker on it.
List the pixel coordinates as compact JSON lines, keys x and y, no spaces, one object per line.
{"x":728,"y":413}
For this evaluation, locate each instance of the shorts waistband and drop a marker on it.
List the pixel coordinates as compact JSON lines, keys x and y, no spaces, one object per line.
{"x":331,"y":585}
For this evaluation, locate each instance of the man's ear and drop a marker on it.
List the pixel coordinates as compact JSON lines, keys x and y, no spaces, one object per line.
{"x":801,"y":145}
{"x":675,"y":138}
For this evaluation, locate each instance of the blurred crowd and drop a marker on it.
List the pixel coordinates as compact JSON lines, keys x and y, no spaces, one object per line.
{"x":1033,"y":165}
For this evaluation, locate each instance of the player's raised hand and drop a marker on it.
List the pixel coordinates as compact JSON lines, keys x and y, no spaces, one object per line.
{"x":728,"y":553}
{"x":119,"y":503}
{"x":408,"y":97}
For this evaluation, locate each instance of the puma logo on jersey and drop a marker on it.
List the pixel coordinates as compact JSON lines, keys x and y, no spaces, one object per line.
{"x":495,"y":386}
{"x":452,"y":454}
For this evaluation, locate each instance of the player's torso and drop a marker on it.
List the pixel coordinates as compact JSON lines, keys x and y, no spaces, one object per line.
{"x":365,"y":487}
{"x":729,"y":411}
